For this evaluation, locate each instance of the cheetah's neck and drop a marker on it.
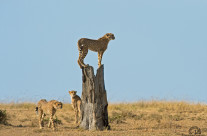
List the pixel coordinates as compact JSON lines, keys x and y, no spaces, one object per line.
{"x":104,"y":39}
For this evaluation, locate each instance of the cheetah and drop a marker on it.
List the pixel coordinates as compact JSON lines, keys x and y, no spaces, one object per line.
{"x":76,"y":103}
{"x":50,"y":107}
{"x":99,"y":46}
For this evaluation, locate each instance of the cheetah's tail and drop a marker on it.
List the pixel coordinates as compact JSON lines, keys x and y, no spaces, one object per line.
{"x":36,"y":109}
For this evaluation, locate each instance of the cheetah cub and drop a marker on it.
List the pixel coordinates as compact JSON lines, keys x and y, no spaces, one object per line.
{"x":44,"y":107}
{"x":76,"y":103}
{"x":99,"y":46}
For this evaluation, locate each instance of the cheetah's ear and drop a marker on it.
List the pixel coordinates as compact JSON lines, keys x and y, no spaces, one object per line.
{"x":75,"y":91}
{"x":69,"y":92}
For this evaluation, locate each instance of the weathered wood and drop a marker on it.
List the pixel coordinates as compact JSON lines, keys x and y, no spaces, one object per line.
{"x":94,"y":108}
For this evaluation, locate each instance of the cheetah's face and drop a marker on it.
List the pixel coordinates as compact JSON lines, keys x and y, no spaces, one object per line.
{"x":110,"y":36}
{"x":72,"y":93}
{"x":58,"y":105}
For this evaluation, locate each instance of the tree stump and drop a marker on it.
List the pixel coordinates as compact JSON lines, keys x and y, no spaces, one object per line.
{"x":94,"y":108}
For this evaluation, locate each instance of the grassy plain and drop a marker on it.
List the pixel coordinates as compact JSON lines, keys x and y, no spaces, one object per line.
{"x":144,"y":118}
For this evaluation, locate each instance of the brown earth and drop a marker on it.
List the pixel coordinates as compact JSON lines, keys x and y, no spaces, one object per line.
{"x":152,"y":118}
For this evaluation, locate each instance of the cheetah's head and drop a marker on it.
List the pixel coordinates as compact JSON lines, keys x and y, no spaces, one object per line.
{"x":72,"y":93}
{"x":110,"y":36}
{"x":58,"y":105}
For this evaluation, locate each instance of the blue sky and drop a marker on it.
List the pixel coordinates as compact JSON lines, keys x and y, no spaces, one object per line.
{"x":160,"y":50}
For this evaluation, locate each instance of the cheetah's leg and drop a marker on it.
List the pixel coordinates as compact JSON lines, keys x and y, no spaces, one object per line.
{"x":41,"y":117}
{"x":51,"y":121}
{"x":100,"y":54}
{"x":82,"y":54}
{"x":76,"y":116}
{"x":49,"y":124}
{"x":79,"y":117}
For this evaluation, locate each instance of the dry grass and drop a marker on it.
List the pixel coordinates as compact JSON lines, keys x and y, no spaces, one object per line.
{"x":141,"y":118}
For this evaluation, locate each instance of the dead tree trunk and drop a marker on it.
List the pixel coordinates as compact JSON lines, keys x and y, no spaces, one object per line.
{"x":94,"y":109}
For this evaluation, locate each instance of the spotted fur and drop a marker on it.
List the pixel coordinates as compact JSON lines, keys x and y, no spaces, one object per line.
{"x":44,"y":107}
{"x":76,"y":103}
{"x":99,"y":46}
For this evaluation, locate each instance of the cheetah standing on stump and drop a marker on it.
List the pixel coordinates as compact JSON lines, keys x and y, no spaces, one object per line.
{"x":99,"y":46}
